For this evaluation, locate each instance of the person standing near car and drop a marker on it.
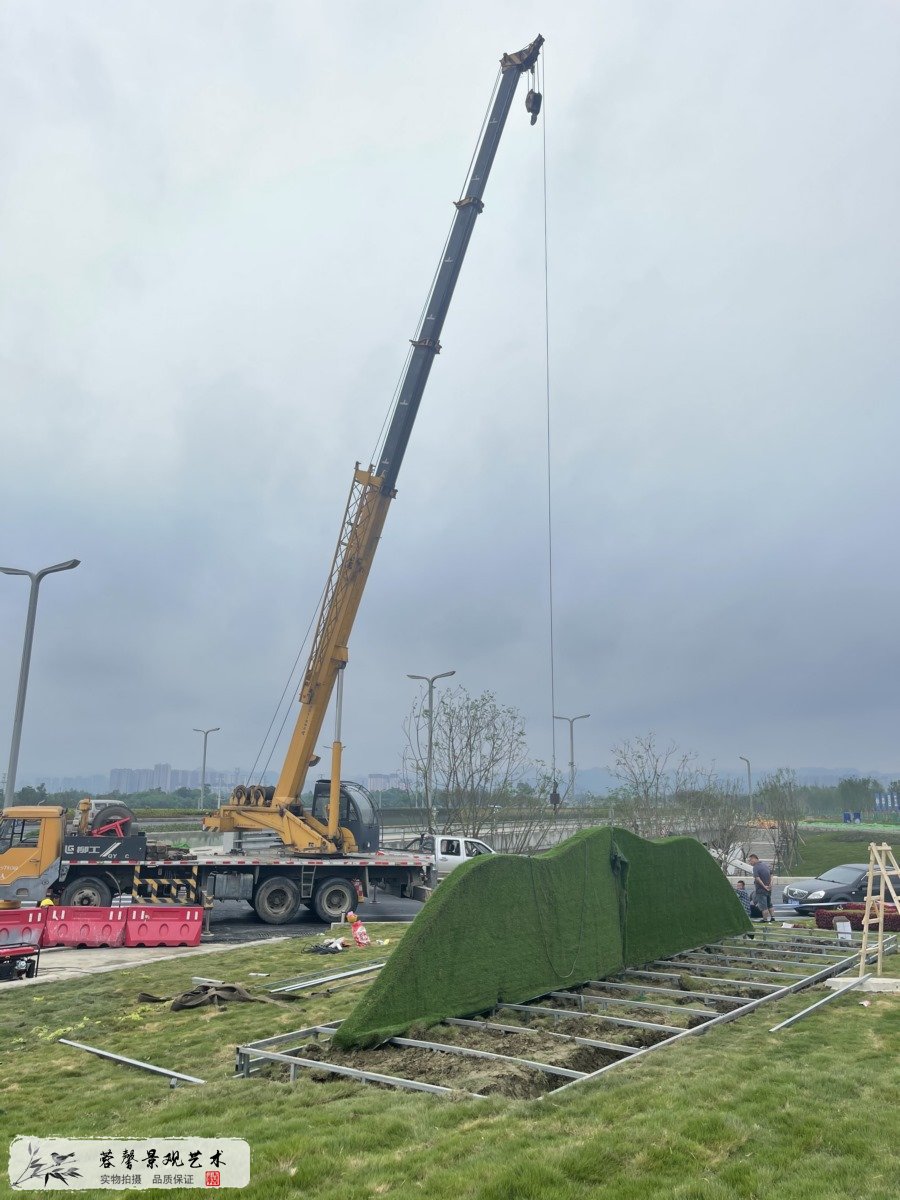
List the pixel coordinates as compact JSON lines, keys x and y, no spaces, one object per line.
{"x":762,"y":887}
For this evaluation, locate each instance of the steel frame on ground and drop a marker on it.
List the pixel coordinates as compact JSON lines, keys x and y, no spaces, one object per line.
{"x":703,"y":956}
{"x":734,"y":982}
{"x":251,"y":1057}
{"x":643,"y":988}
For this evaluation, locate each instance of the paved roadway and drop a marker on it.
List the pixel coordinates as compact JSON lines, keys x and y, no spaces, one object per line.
{"x":235,"y":921}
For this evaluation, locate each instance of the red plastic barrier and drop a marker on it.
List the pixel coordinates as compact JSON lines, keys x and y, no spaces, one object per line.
{"x":84,"y":926}
{"x":21,"y":925}
{"x":164,"y":925}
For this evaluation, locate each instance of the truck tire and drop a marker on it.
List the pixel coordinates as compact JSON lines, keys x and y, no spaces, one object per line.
{"x":276,"y":900}
{"x":88,"y":891}
{"x":113,"y":813}
{"x":334,"y":897}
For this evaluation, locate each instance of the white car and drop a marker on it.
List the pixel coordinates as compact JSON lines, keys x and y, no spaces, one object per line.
{"x":452,"y":849}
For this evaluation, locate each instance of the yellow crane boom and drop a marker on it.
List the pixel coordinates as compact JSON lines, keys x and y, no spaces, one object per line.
{"x":371,"y":492}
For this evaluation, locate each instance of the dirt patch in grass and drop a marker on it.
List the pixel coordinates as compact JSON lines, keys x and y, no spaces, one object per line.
{"x":485,"y":1077}
{"x":530,"y":1043}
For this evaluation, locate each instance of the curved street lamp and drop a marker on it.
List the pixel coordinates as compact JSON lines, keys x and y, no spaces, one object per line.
{"x":35,"y":577}
{"x":206,"y":733}
{"x":572,"y":720}
{"x":749,"y":782}
{"x":429,"y":679}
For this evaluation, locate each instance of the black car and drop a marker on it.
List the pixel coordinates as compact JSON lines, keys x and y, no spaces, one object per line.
{"x":845,"y":884}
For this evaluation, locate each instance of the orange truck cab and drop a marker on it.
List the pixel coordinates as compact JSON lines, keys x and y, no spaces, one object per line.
{"x":31,"y":847}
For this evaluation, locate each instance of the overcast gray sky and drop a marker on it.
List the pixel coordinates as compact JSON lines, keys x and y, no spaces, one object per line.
{"x":219,"y":221}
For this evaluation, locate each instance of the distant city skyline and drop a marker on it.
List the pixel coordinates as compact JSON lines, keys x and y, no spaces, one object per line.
{"x":131,"y":780}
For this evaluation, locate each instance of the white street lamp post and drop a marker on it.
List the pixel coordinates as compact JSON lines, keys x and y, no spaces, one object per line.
{"x":206,"y":733}
{"x":35,"y":577}
{"x":429,"y":679}
{"x":749,"y":782}
{"x":572,"y":720}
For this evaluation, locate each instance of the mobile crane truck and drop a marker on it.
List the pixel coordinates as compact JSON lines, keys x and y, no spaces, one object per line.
{"x":329,"y":855}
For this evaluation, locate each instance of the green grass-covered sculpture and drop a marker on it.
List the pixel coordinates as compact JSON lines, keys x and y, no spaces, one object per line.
{"x":506,"y":928}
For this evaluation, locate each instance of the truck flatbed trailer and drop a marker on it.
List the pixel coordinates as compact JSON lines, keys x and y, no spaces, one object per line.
{"x":275,"y":883}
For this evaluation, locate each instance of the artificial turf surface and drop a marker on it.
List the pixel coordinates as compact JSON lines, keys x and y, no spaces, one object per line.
{"x":507,"y":928}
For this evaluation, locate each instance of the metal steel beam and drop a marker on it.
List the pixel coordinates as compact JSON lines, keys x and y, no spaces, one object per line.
{"x":700,"y":956}
{"x":468,"y":1052}
{"x":790,"y":944}
{"x":663,"y":1008}
{"x":664,"y":991}
{"x":295,"y":1035}
{"x":762,"y":987}
{"x":723,"y":1018}
{"x":818,"y":1004}
{"x":414,"y":1085}
{"x":755,"y":947}
{"x":695,"y":965}
{"x":595,"y":1043}
{"x":132,"y":1062}
{"x":787,"y":954}
{"x":565,"y":1013}
{"x":299,"y":984}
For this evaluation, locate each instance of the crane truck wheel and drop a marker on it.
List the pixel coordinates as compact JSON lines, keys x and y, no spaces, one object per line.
{"x":87,"y":891}
{"x":113,"y":815}
{"x":333,"y":898}
{"x":276,"y":900}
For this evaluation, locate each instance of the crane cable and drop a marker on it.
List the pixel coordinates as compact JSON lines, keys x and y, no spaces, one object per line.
{"x":543,"y":91}
{"x":287,"y":688}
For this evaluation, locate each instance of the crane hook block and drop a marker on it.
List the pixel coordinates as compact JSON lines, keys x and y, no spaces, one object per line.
{"x":533,"y":104}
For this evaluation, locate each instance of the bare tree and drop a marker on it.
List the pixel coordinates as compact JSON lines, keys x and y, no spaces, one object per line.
{"x":651,"y":779}
{"x":479,"y":759}
{"x":720,"y":818}
{"x":782,"y":807}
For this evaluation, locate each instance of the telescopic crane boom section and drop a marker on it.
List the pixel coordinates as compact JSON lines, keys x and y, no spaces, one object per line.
{"x":371,"y":492}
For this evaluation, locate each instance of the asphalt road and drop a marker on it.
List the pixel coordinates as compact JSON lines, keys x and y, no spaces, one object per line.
{"x":235,"y":921}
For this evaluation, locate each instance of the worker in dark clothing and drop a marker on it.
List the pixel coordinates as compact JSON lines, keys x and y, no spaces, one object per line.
{"x":762,"y":888}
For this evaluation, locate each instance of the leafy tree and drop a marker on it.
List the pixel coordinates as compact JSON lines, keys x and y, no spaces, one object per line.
{"x":32,"y":795}
{"x":857,"y":794}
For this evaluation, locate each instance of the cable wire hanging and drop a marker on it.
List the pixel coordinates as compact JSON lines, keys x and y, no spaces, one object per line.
{"x":543,"y":90}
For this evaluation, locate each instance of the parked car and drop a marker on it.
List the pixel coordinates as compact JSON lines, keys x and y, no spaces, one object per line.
{"x":838,"y":885}
{"x":452,"y":849}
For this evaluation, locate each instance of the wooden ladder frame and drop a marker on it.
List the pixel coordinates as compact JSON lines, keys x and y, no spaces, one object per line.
{"x":882,"y":857}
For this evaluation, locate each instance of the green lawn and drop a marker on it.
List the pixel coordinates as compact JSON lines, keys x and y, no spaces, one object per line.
{"x":820,"y":850}
{"x":738,"y":1114}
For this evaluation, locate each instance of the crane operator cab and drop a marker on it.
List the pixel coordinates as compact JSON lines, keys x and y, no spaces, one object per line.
{"x":358,"y":813}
